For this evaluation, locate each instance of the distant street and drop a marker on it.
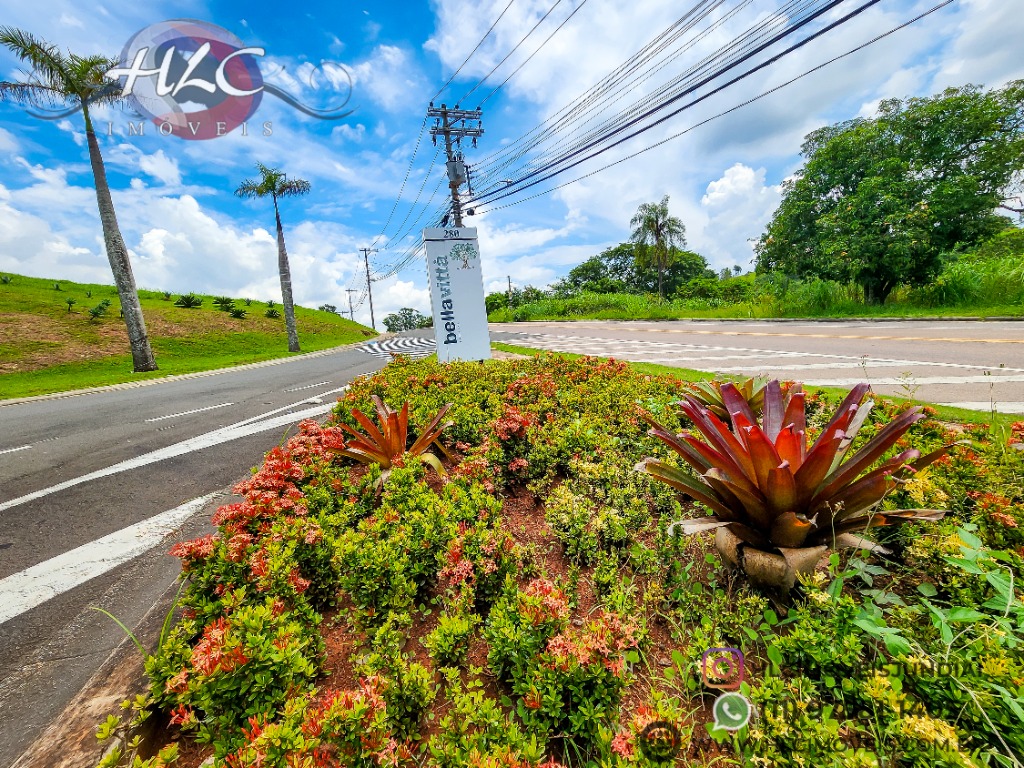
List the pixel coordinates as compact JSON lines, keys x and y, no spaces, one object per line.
{"x":89,"y":487}
{"x":967,"y":364}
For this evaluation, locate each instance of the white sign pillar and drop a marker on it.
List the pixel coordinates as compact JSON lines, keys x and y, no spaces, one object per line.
{"x":457,"y":294}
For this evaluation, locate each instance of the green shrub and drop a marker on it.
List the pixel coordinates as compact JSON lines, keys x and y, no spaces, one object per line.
{"x":189,"y":301}
{"x":99,"y":310}
{"x":245,"y":665}
{"x":521,"y":623}
{"x":575,"y":684}
{"x":476,"y":731}
{"x":273,"y":314}
{"x":449,"y":641}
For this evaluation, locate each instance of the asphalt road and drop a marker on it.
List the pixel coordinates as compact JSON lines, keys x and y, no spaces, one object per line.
{"x":965,"y":363}
{"x":86,"y":481}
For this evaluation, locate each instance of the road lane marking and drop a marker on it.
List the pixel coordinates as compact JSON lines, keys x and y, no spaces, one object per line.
{"x":285,"y":408}
{"x":12,"y":450}
{"x":987,"y":406}
{"x":867,"y":363}
{"x":308,"y":386}
{"x":189,"y":413}
{"x":627,"y":348}
{"x":957,"y":340}
{"x":198,"y":443}
{"x":23,"y":591}
{"x":915,"y":380}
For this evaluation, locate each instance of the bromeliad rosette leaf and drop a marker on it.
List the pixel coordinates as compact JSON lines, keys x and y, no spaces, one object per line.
{"x":383,"y":444}
{"x":773,"y":490}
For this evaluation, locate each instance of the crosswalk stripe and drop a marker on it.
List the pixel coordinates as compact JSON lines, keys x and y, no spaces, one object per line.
{"x":409,"y":346}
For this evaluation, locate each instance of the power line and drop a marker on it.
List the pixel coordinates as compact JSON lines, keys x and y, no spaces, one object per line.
{"x":527,"y":59}
{"x":401,"y":189}
{"x":475,"y":49}
{"x":559,"y":165}
{"x":745,"y":46}
{"x":507,"y":55}
{"x":616,"y":83}
{"x":731,"y":109}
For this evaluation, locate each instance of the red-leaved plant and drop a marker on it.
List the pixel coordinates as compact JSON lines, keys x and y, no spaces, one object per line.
{"x":773,"y":490}
{"x":386,"y":443}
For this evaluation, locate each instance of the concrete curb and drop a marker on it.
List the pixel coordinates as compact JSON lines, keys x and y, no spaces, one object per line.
{"x":182,"y":376}
{"x":70,"y":740}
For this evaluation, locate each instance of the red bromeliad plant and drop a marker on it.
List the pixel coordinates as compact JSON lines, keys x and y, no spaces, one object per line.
{"x":772,"y":490}
{"x":386,"y":443}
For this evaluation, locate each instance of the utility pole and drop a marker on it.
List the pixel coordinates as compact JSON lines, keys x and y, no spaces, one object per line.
{"x":510,"y":291}
{"x":453,"y":125}
{"x":369,"y":287}
{"x":351,"y":312}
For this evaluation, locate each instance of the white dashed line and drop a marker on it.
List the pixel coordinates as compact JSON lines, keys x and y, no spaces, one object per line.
{"x":308,"y":386}
{"x":216,"y":437}
{"x":988,"y":406}
{"x":23,"y":591}
{"x":19,"y":448}
{"x":189,"y":413}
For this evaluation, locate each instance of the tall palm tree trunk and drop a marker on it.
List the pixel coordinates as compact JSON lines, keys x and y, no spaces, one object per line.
{"x":117,"y":254}
{"x":286,"y":285}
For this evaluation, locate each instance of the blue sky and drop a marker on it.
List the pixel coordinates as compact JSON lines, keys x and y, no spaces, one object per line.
{"x":186,"y":230}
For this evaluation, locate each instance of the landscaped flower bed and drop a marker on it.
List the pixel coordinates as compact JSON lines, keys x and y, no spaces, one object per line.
{"x":527,"y":606}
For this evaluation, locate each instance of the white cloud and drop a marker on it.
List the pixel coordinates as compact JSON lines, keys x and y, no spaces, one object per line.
{"x":986,"y":47}
{"x":161,"y":167}
{"x":389,"y":77}
{"x":739,"y":206}
{"x":7,"y":141}
{"x":76,"y":134}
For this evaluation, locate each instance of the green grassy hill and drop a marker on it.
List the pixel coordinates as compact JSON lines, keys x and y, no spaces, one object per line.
{"x":48,"y":346}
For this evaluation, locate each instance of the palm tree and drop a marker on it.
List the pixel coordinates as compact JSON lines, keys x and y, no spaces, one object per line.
{"x":78,"y":80}
{"x":659,"y":235}
{"x":275,"y":184}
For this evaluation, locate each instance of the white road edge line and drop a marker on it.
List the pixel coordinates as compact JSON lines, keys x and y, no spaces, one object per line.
{"x":282,"y":408}
{"x":12,"y":450}
{"x":216,"y":437}
{"x":986,"y":405}
{"x":23,"y":591}
{"x":188,"y":413}
{"x":308,"y":386}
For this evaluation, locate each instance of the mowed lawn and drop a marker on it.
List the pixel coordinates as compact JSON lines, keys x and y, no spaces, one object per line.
{"x":48,"y":346}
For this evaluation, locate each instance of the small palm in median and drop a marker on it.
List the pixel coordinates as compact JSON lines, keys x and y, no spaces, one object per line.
{"x":274,"y":184}
{"x":58,"y":78}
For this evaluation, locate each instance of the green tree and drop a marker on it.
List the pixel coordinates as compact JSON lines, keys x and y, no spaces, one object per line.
{"x":615,"y":270}
{"x":275,"y":185}
{"x":58,"y":78}
{"x":659,"y":235}
{"x":406,"y":319}
{"x":879,"y":201}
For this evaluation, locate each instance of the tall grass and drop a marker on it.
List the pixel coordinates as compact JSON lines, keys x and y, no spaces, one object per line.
{"x":972,"y":284}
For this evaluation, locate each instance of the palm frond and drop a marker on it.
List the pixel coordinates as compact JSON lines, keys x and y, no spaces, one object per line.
{"x":293,"y":187}
{"x":251,"y":189}
{"x":33,"y":94}
{"x":45,"y":59}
